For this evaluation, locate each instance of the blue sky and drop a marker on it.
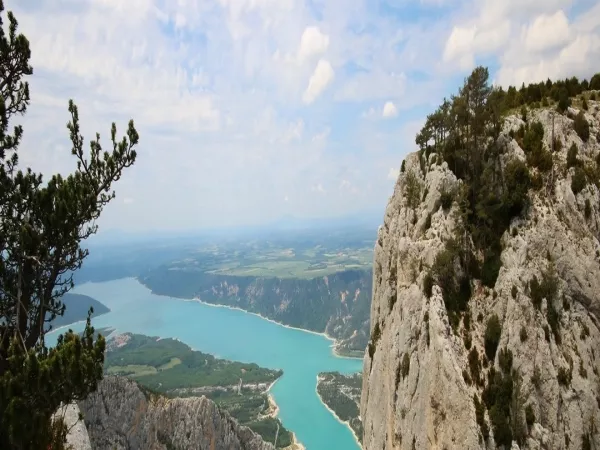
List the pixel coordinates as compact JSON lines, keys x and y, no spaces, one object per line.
{"x":249,"y":110}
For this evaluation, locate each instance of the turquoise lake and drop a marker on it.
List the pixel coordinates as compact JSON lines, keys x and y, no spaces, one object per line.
{"x":240,"y":336}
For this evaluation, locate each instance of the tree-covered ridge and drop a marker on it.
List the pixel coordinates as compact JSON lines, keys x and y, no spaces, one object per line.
{"x":338,"y":304}
{"x":502,"y":155}
{"x":170,"y":367}
{"x":465,"y":132}
{"x":341,"y":393}
{"x":42,"y":225}
{"x":77,"y":307}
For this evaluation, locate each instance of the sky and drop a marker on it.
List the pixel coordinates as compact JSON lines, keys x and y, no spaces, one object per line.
{"x":250,"y":110}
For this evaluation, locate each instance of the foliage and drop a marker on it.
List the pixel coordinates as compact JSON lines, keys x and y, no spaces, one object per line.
{"x":405,"y":365}
{"x":578,"y":181}
{"x":194,"y":368}
{"x":564,"y":376}
{"x":529,"y":416}
{"x":493,"y":330}
{"x":581,"y":126}
{"x":587,"y":209}
{"x":403,"y":166}
{"x":342,"y":394}
{"x":42,"y":224}
{"x":428,"y":284}
{"x":375,"y":336}
{"x":480,"y":418}
{"x":547,"y":289}
{"x":475,"y":366}
{"x":514,"y":291}
{"x":456,"y":287}
{"x":523,"y":334}
{"x":412,"y":190}
{"x":533,"y":145}
{"x":572,"y":156}
{"x":446,"y":197}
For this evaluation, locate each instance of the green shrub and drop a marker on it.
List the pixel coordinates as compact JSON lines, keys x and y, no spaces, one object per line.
{"x":403,"y":166}
{"x":428,"y":285}
{"x":427,"y":224}
{"x":505,"y":360}
{"x":405,"y":365}
{"x":547,"y":289}
{"x":467,"y":340}
{"x":586,"y":442}
{"x":523,"y":334}
{"x":493,"y":330}
{"x":501,"y":425}
{"x":557,"y":144}
{"x":524,"y":113}
{"x":584,"y":104}
{"x":588,"y":208}
{"x":564,"y":376}
{"x":514,"y":291}
{"x":446,"y":198}
{"x":375,"y":335}
{"x":582,"y":370}
{"x":546,"y":333}
{"x":578,"y":181}
{"x":545,"y":102}
{"x":529,"y":416}
{"x":412,"y":190}
{"x":536,"y":378}
{"x":563,"y":100}
{"x":490,"y":268}
{"x":480,"y":418}
{"x":593,"y":96}
{"x":581,"y":126}
{"x":572,"y":155}
{"x":474,"y":366}
{"x":533,"y":146}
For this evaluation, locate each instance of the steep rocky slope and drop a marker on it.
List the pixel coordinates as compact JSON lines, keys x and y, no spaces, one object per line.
{"x":442,"y":376}
{"x":119,"y":415}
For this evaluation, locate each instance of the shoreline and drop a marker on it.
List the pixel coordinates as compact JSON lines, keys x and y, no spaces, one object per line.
{"x":237,"y":308}
{"x":343,"y":422}
{"x":296,"y":444}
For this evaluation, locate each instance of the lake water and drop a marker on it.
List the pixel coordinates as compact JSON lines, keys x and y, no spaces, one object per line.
{"x":239,"y":336}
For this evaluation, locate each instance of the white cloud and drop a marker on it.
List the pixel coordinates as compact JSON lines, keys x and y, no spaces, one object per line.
{"x":319,"y":80}
{"x":312,"y":43}
{"x":389,"y":110}
{"x":318,"y":188}
{"x":393,"y":174}
{"x":547,"y":32}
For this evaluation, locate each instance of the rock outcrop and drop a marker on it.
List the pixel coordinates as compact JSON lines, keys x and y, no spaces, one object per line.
{"x":120,"y":415}
{"x":418,"y":392}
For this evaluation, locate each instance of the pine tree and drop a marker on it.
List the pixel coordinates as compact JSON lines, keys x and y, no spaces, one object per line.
{"x":42,"y":225}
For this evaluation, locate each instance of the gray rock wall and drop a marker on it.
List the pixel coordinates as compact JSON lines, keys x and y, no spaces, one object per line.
{"x":119,"y":415}
{"x":432,"y":407}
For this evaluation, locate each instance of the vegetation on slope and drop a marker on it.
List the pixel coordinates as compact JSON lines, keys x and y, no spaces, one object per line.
{"x":338,"y":304}
{"x":465,"y":133}
{"x":77,"y":307}
{"x":170,"y":367}
{"x":341,"y":393}
{"x":42,"y":224}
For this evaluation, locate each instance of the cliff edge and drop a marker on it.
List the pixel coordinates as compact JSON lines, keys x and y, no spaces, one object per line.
{"x":120,"y":415}
{"x":485,"y":318}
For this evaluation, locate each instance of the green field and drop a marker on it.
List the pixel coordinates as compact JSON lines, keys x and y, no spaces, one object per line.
{"x":306,"y":257}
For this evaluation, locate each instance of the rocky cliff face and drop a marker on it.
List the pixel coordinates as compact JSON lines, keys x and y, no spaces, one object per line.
{"x":425,"y":381}
{"x":119,"y":415}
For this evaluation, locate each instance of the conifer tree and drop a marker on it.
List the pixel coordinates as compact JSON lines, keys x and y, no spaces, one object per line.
{"x":42,"y":226}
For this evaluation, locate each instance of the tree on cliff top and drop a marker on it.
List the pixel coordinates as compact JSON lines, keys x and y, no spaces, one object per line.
{"x":42,"y":225}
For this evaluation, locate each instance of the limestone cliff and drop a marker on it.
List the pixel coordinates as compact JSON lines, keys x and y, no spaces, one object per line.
{"x":119,"y":415}
{"x":426,"y":378}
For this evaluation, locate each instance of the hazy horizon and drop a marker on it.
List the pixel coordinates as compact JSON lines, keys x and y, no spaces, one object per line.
{"x":254,"y":110}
